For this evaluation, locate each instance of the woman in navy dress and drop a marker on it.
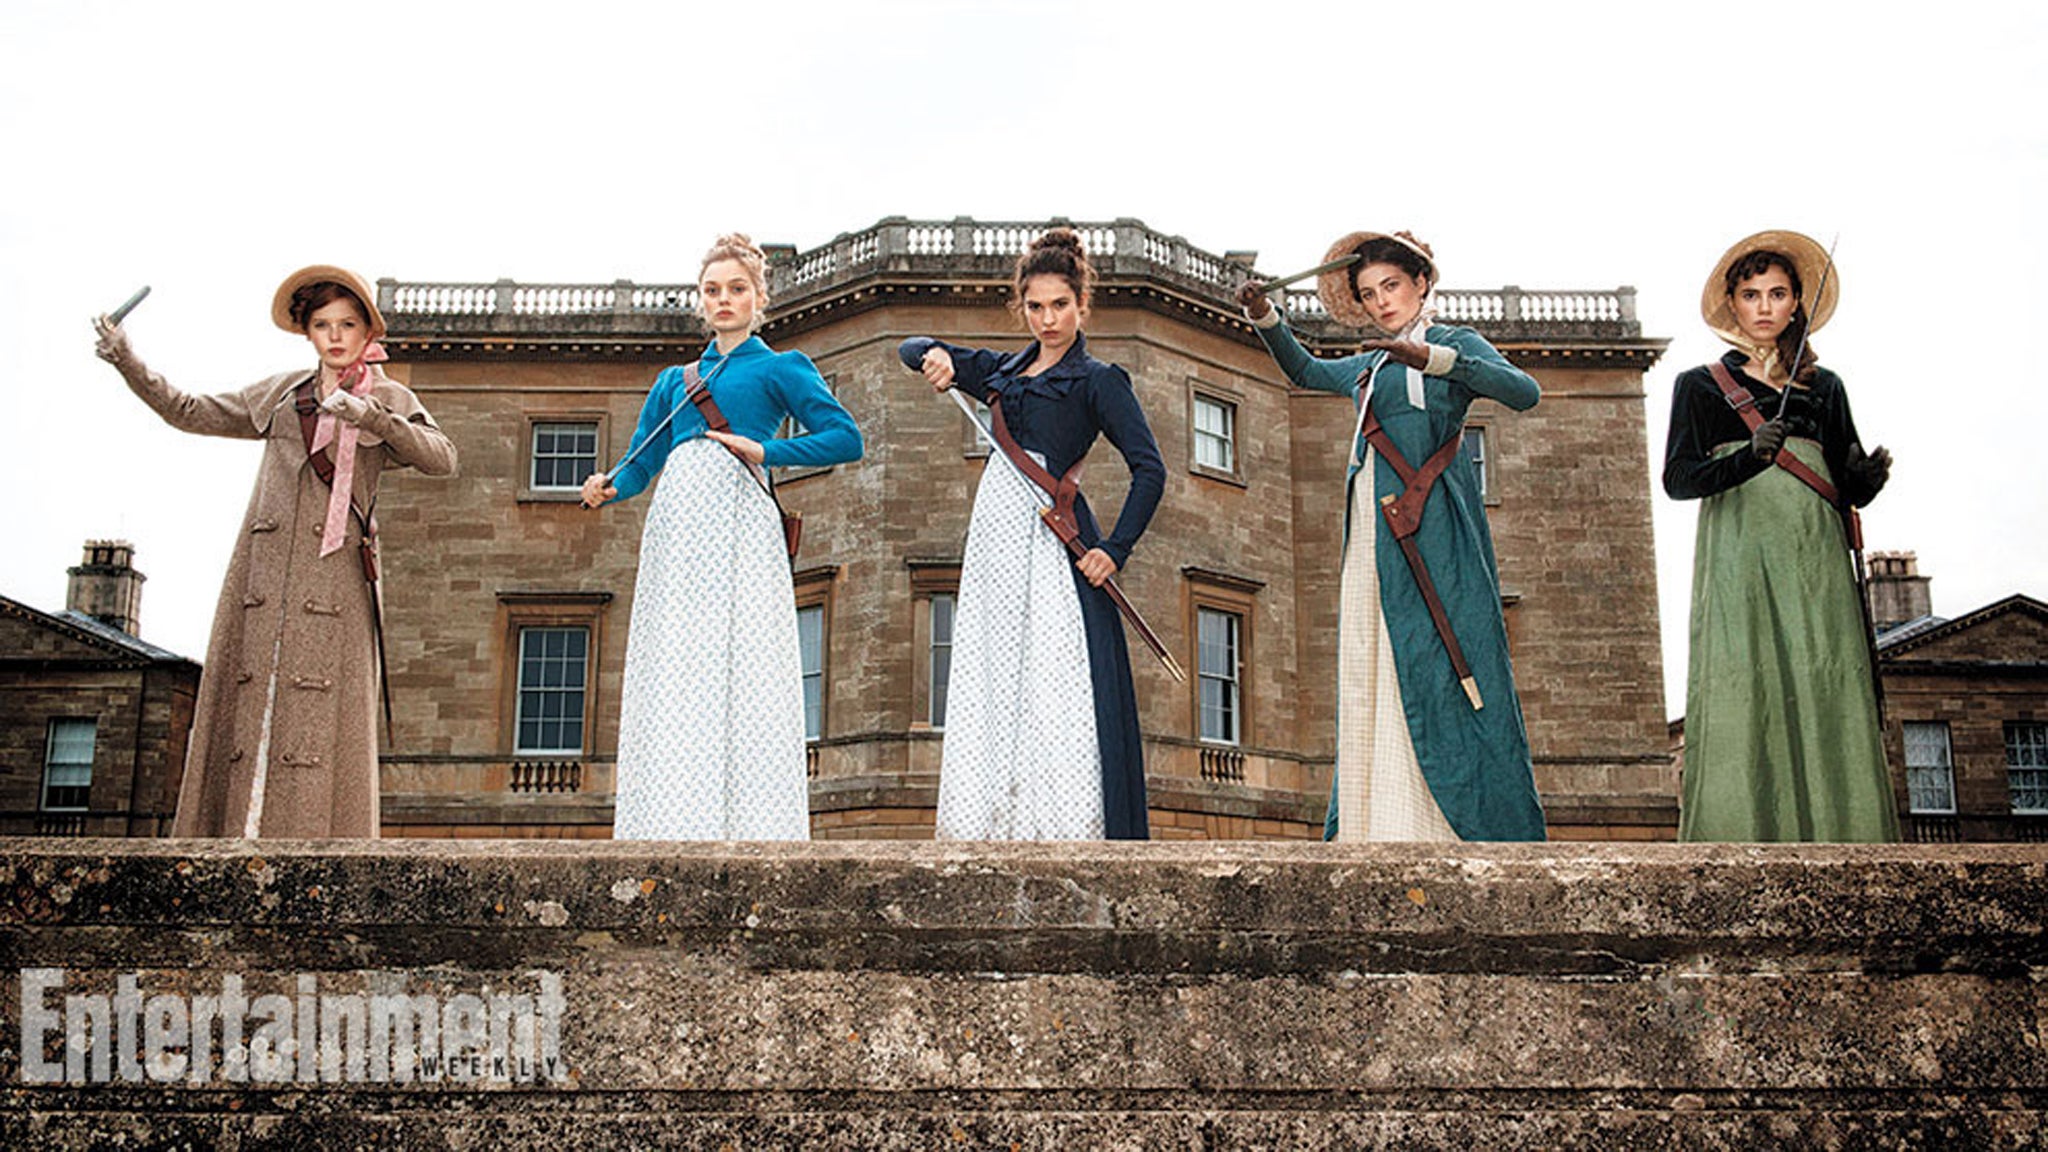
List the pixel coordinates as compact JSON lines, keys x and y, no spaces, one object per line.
{"x":1042,"y":737}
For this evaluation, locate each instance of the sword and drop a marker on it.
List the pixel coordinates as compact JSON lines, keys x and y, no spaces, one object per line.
{"x":1827,"y":268}
{"x":1318,"y":270}
{"x":1074,"y":545}
{"x":115,"y":317}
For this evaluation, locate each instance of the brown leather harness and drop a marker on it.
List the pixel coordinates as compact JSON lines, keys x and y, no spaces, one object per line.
{"x":695,"y":391}
{"x":306,"y":402}
{"x":1744,"y":403}
{"x":1059,"y":516}
{"x":1403,"y":514}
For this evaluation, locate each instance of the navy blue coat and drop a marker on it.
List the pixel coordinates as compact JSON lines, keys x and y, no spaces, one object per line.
{"x":1059,"y":413}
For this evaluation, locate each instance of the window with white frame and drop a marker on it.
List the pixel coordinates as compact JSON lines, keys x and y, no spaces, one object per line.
{"x":2026,"y":766}
{"x":943,"y":605}
{"x":67,"y":765}
{"x":554,"y":667}
{"x":1215,"y":425}
{"x":1475,"y":451}
{"x":810,"y":642}
{"x":564,"y":454}
{"x":1930,"y":774}
{"x":1217,"y":650}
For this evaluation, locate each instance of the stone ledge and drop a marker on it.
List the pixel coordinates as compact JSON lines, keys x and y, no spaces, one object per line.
{"x":1094,"y":995}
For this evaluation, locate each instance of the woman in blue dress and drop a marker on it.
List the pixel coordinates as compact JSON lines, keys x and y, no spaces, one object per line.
{"x":1042,"y":737}
{"x":1430,"y":739}
{"x":711,"y":716}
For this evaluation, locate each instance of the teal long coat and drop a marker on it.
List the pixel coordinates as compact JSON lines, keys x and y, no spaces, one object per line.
{"x":1476,"y":763}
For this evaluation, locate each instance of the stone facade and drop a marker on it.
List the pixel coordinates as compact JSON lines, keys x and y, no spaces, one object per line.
{"x":134,"y":700}
{"x":472,"y":564}
{"x":1976,"y":689}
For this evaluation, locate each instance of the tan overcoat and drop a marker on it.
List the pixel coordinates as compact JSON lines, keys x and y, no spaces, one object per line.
{"x":284,"y":736}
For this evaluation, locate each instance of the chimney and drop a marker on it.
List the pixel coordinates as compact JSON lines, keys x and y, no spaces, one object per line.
{"x":106,"y":585}
{"x":1898,"y":593}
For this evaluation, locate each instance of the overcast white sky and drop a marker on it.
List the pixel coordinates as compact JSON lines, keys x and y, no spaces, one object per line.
{"x":207,"y":149}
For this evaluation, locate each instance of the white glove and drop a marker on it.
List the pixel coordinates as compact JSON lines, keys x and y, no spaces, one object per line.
{"x":346,"y":406}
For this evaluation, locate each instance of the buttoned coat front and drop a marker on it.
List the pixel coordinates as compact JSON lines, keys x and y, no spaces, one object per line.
{"x":284,"y":733}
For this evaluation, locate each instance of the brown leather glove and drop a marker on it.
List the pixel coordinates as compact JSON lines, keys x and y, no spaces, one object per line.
{"x":1251,"y":296}
{"x":1407,"y":352}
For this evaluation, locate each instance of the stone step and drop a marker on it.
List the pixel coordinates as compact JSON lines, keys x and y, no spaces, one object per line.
{"x":1101,"y":995}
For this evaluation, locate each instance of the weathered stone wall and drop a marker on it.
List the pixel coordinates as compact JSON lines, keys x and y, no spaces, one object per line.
{"x":1103,"y":996}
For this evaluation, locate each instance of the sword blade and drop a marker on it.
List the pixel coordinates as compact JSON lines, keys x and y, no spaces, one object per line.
{"x":119,"y":314}
{"x":1318,"y":270}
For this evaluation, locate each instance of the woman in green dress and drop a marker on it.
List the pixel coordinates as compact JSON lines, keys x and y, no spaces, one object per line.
{"x":1783,"y":740}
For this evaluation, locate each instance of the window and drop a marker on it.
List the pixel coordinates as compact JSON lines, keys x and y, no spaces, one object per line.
{"x":1930,"y":774}
{"x":1213,"y":450}
{"x":1215,"y":434}
{"x":553,"y":669}
{"x":67,"y":765}
{"x":1216,"y":669}
{"x":810,"y":641}
{"x":2026,"y":766}
{"x":943,"y":605}
{"x":935,"y":615}
{"x":564,"y":455}
{"x":1475,"y":451}
{"x":1220,"y":614}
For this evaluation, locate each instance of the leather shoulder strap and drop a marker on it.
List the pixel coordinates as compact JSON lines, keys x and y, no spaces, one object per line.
{"x":1744,"y":404}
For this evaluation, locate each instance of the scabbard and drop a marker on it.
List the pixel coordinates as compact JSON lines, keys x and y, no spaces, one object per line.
{"x":1416,"y":568}
{"x":377,"y":630}
{"x":1070,"y":535}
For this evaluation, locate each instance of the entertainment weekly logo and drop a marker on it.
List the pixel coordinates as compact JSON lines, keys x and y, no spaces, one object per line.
{"x":384,"y":1035}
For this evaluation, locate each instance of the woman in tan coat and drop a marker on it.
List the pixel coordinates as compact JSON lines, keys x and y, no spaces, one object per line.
{"x":284,"y":737}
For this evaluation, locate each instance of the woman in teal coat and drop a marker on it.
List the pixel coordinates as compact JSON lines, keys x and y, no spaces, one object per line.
{"x":1430,"y":739}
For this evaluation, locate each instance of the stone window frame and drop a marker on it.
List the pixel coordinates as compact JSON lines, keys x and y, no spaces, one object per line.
{"x":787,"y":430}
{"x":928,"y":579}
{"x":2033,"y":747}
{"x":1489,"y":471}
{"x":1946,"y":767}
{"x":1237,"y":595}
{"x":813,"y":590}
{"x":520,"y":610}
{"x":1197,"y":390}
{"x":528,"y":494}
{"x":51,"y":764}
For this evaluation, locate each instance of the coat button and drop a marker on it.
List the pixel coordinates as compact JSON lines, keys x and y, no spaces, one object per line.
{"x":252,"y":601}
{"x":244,"y":676}
{"x":262,"y":526}
{"x":236,"y":758}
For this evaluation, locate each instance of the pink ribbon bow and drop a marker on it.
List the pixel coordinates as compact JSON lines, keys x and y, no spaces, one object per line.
{"x":355,"y":380}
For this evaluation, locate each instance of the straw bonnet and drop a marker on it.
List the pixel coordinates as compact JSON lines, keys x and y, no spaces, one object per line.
{"x":1807,"y":257}
{"x":1339,"y":286}
{"x":281,"y":304}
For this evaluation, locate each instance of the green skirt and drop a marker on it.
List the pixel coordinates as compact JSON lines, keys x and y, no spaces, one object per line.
{"x":1782,"y":738}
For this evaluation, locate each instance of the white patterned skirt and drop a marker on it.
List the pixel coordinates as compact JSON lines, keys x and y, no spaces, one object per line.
{"x":711,"y":718}
{"x":1381,"y":793}
{"x":1020,"y":760}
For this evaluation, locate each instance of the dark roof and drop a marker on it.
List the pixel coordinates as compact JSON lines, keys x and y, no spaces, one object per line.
{"x":1928,"y":629}
{"x":1908,"y":630}
{"x":98,"y":633}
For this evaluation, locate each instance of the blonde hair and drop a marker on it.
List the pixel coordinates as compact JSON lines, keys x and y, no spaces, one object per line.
{"x":740,"y":248}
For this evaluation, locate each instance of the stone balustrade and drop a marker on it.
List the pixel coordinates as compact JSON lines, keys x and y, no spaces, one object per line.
{"x":1125,"y":251}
